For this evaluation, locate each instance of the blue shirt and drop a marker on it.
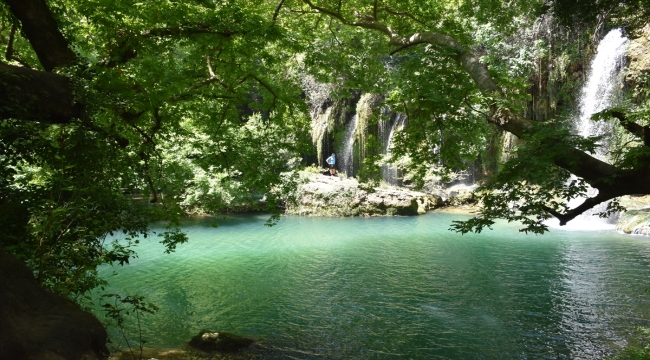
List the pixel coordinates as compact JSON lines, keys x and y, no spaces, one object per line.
{"x":331,"y":160}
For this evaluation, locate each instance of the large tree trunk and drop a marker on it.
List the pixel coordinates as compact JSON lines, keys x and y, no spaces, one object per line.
{"x":33,"y":95}
{"x":38,"y":324}
{"x":43,"y":33}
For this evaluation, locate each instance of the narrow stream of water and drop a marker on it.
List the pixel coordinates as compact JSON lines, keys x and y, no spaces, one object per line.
{"x":399,"y":287}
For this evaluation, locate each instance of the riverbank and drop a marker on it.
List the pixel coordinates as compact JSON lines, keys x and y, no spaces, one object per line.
{"x":334,"y":196}
{"x":337,"y":196}
{"x":636,"y":220}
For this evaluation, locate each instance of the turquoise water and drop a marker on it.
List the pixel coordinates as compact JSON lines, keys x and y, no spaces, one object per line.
{"x":400,"y":287}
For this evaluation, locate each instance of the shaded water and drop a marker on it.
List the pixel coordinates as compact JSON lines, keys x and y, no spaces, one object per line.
{"x":383,"y":288}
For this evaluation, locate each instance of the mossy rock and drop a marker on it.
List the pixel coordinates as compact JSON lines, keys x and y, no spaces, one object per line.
{"x":213,"y":341}
{"x":635,"y":222}
{"x":434,"y":201}
{"x":370,"y":210}
{"x":461,"y":198}
{"x":412,"y":209}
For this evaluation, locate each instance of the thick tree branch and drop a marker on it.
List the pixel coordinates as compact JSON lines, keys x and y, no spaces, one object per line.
{"x":277,"y":10}
{"x":642,"y":132}
{"x":158,"y":124}
{"x":397,"y":13}
{"x":186,"y":30}
{"x":36,"y":96}
{"x":326,"y":11}
{"x":629,"y":184}
{"x":402,"y":48}
{"x":374,"y":10}
{"x":210,"y":71}
{"x":43,"y":33}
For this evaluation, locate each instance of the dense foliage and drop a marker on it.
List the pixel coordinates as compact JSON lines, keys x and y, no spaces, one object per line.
{"x":114,"y":114}
{"x":182,"y":108}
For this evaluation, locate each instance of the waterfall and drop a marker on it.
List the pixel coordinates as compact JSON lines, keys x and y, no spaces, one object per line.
{"x":604,"y":81}
{"x":319,"y":121}
{"x":346,"y":161}
{"x":389,"y":173}
{"x":384,"y":127}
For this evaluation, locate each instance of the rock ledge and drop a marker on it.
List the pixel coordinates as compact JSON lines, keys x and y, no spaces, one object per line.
{"x":333,"y":196}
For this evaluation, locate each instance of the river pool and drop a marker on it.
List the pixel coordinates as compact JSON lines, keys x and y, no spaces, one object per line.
{"x":394,"y":287}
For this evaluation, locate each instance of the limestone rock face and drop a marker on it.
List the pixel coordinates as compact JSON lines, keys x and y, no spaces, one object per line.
{"x":334,"y":196}
{"x":38,"y":324}
{"x":635,"y":222}
{"x":638,"y":55}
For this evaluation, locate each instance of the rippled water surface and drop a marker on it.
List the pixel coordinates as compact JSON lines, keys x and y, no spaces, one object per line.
{"x":373,"y":288}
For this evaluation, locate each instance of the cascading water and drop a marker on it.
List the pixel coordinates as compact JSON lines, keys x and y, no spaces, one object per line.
{"x":319,"y":122}
{"x":599,"y":93}
{"x":346,"y":161}
{"x":389,"y":173}
{"x":603,"y":82}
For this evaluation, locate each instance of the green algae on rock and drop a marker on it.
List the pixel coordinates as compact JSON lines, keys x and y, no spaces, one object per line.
{"x":636,"y":222}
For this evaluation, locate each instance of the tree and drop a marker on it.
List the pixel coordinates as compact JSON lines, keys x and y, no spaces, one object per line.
{"x":198,"y":105}
{"x":439,"y":37}
{"x":185,"y":105}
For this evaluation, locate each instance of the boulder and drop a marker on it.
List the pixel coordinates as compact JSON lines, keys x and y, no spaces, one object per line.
{"x":38,"y":324}
{"x":213,"y":341}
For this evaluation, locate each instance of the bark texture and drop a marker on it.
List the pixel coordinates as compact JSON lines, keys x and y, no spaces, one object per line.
{"x":43,"y":33}
{"x":38,"y":324}
{"x":33,"y":95}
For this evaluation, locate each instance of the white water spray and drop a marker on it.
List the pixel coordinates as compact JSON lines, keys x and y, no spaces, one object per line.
{"x":347,"y":160}
{"x":604,"y":80}
{"x":319,"y":132}
{"x":388,"y":172}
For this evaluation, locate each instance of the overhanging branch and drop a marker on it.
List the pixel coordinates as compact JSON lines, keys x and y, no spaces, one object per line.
{"x":277,"y":10}
{"x":186,"y":30}
{"x":589,"y":203}
{"x":42,"y":31}
{"x":642,"y":132}
{"x":36,"y":96}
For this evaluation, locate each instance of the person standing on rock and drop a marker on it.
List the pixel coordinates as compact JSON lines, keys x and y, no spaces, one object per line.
{"x":331,"y":161}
